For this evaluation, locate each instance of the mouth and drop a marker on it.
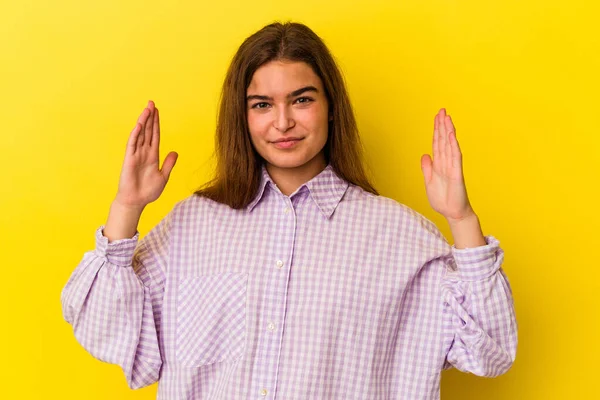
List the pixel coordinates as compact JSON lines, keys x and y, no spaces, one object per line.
{"x":286,"y":143}
{"x":287,"y":139}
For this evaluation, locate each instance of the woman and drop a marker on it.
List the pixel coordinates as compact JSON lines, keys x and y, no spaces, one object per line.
{"x":287,"y":276}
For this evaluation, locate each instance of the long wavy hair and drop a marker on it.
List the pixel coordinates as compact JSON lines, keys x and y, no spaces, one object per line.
{"x":238,"y":164}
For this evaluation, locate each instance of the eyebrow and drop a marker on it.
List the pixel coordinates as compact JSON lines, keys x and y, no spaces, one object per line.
{"x":292,"y":94}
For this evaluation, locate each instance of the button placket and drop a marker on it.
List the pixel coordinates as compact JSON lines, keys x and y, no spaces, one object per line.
{"x":267,"y":361}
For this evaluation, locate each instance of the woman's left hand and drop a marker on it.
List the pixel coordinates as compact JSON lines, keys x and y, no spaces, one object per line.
{"x":444,"y":181}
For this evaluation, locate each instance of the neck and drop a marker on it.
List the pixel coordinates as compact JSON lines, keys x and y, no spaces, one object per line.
{"x":288,"y":180}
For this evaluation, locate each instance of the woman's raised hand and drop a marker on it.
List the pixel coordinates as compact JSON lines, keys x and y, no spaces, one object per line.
{"x":444,"y":181}
{"x":142,"y":181}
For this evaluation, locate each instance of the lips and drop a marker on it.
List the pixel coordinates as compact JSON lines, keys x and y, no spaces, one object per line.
{"x":287,"y":143}
{"x":290,"y":139}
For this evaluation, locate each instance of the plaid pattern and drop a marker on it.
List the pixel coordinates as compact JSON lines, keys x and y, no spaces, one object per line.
{"x":330,"y":293}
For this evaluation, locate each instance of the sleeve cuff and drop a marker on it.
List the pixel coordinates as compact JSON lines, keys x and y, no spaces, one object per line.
{"x":118,"y":252}
{"x":478,"y":263}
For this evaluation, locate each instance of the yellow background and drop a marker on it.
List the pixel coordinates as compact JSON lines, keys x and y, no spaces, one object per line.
{"x":520,"y":80}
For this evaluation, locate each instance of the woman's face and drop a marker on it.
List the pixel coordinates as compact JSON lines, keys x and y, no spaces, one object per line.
{"x":288,"y":116}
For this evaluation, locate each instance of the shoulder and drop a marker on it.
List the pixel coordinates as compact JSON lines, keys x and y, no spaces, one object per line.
{"x":195,"y":206}
{"x":386,"y":205}
{"x":396,"y":216}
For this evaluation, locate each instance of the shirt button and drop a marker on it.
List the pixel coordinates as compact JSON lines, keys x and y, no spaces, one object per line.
{"x":271,"y":326}
{"x":279,"y":263}
{"x":263,"y":392}
{"x":287,"y":210}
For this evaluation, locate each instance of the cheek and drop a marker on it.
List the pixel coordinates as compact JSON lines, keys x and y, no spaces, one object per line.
{"x":257,"y":126}
{"x":316,"y":120}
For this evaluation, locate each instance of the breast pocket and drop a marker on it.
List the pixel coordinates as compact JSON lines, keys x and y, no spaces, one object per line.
{"x":211,"y":318}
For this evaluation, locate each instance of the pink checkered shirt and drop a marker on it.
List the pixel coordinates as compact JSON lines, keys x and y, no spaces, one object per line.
{"x":330,"y":293}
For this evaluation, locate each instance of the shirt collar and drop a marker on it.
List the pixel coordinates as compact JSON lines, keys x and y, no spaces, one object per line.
{"x":326,"y":189}
{"x":264,"y":180}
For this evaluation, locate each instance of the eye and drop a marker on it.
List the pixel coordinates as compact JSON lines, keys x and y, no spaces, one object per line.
{"x":304,"y":100}
{"x":260,"y":105}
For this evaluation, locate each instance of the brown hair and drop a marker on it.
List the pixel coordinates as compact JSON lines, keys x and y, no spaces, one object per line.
{"x":238,"y":167}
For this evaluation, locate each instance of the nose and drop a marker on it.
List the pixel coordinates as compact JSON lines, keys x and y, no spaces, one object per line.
{"x":283,"y":119}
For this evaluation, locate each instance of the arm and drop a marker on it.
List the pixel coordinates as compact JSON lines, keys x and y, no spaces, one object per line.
{"x":480,"y":328}
{"x":113,"y":299}
{"x":479,"y":325}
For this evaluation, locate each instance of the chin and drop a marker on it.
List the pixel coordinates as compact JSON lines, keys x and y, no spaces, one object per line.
{"x":288,"y":161}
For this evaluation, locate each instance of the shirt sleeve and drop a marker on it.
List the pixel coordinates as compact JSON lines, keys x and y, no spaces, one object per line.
{"x":479,"y":326}
{"x":113,"y":300}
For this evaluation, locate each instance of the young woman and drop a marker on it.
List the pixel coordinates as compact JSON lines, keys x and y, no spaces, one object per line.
{"x":287,"y":276}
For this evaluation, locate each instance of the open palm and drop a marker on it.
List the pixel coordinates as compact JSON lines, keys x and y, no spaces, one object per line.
{"x":142,"y":181}
{"x":444,"y":181}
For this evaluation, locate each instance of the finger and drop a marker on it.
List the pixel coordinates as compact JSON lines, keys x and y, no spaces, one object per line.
{"x":449,"y":129}
{"x":133,"y":136}
{"x":154,"y":145}
{"x":156,"y":129}
{"x":149,"y":124}
{"x":439,"y":165}
{"x":442,"y":136}
{"x":436,"y":141}
{"x":456,"y":152}
{"x":426,"y":164}
{"x":168,"y":164}
{"x":142,"y":121}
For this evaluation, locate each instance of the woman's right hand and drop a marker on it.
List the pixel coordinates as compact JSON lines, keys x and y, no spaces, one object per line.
{"x":141,"y":181}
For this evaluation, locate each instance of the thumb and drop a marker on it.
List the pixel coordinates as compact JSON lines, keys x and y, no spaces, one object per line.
{"x":426,"y":167}
{"x":168,"y":164}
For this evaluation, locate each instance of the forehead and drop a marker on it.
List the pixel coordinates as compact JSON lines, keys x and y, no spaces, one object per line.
{"x":282,"y":77}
